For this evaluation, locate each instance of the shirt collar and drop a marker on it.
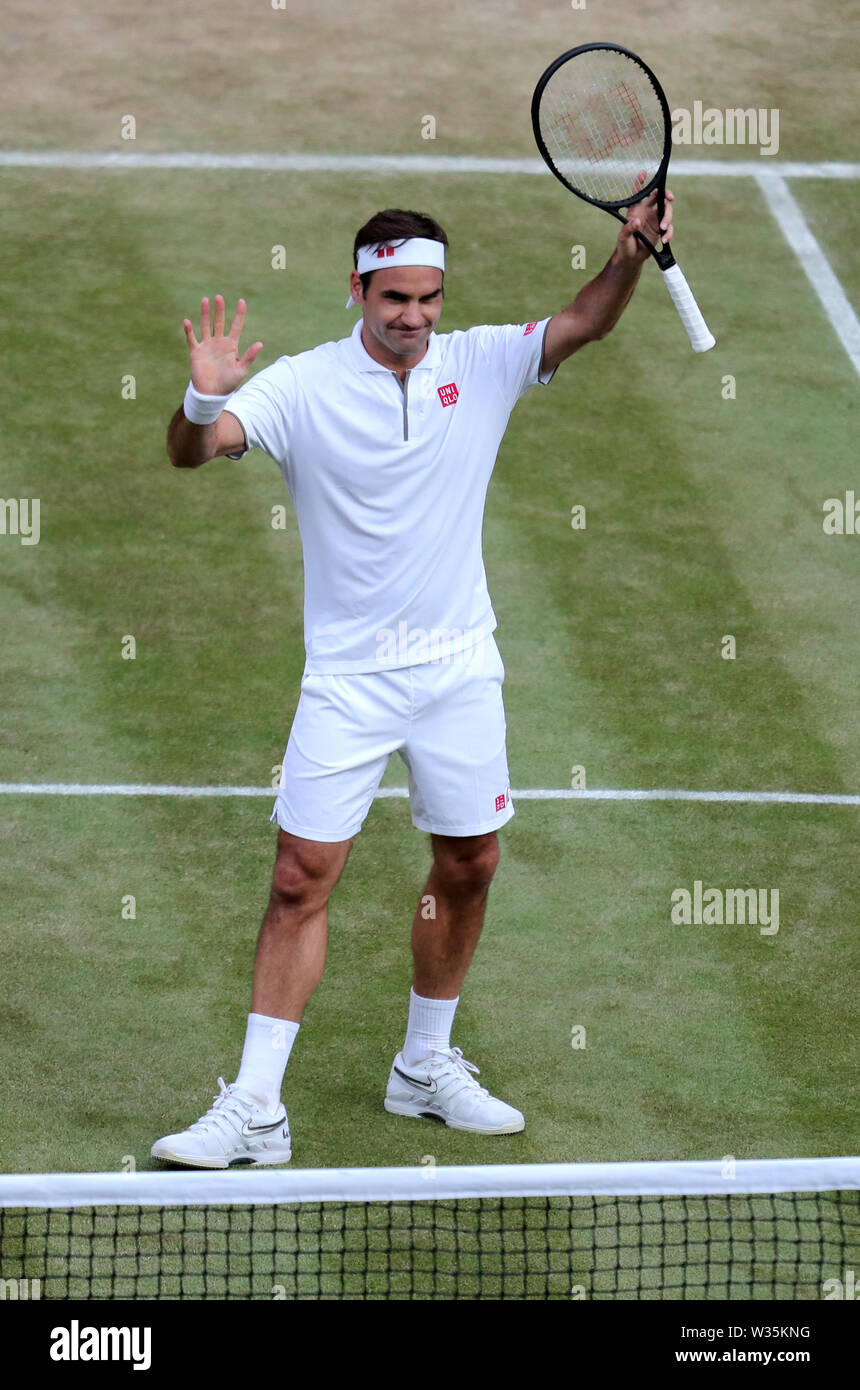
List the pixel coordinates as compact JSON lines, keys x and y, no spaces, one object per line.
{"x":363,"y":361}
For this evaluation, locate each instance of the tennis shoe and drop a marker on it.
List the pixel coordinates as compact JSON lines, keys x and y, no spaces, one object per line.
{"x":443,"y":1087}
{"x":236,"y":1132}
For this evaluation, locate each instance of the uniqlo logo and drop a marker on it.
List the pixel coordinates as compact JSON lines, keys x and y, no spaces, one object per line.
{"x":384,"y":251}
{"x":529,"y":328}
{"x":501,"y":801}
{"x":448,"y":394}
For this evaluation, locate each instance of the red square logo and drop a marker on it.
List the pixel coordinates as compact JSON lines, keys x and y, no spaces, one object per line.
{"x":501,"y":801}
{"x":529,"y":328}
{"x":448,"y":394}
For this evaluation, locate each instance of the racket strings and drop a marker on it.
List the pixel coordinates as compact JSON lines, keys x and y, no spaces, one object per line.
{"x":602,"y":124}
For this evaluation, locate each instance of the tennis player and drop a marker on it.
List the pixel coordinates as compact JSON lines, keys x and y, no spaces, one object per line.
{"x":386,"y":440}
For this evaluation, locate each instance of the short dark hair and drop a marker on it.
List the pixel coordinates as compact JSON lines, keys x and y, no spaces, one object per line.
{"x":395,"y":225}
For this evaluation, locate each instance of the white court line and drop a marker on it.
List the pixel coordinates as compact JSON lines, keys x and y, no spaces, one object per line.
{"x":525,"y":794}
{"x":813,"y":262}
{"x":393,"y":163}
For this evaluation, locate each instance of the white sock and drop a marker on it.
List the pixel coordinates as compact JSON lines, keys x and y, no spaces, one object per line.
{"x":429,"y":1026}
{"x":268,"y":1043}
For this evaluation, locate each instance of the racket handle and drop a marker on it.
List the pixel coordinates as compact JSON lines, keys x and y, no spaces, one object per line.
{"x":701,"y":337}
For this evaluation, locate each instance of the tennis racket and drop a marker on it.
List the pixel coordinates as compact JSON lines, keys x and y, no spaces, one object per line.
{"x":601,"y":121}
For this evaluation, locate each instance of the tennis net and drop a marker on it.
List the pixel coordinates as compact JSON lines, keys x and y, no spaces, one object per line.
{"x":787,"y":1229}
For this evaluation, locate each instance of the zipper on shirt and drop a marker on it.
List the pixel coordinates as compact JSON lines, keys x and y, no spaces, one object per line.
{"x":404,"y":386}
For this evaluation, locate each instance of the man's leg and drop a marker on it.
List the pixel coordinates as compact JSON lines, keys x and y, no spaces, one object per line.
{"x":344,"y":731}
{"x":248,"y":1124}
{"x":291,"y":952}
{"x":291,"y":949}
{"x":450,"y":915}
{"x":429,"y":1078}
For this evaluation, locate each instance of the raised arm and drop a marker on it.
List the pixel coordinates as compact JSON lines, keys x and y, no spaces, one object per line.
{"x":216,"y":371}
{"x":600,"y":304}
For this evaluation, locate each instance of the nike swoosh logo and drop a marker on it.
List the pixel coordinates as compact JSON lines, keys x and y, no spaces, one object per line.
{"x":413,"y":1081}
{"x":248,"y":1129}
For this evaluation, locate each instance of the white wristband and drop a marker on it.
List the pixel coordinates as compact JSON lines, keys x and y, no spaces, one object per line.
{"x":200,"y":409}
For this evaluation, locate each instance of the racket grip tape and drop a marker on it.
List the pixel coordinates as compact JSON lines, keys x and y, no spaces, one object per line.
{"x":701,"y":337}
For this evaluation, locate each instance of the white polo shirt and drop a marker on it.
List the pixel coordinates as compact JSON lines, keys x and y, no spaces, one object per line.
{"x":389,"y":484}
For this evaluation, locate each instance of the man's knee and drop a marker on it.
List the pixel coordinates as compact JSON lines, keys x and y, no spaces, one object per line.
{"x":466,"y":864}
{"x":306,"y":870}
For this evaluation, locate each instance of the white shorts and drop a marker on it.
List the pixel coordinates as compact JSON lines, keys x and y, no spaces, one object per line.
{"x":445,"y":719}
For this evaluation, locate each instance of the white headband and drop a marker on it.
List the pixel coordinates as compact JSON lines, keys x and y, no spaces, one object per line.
{"x":416,"y":251}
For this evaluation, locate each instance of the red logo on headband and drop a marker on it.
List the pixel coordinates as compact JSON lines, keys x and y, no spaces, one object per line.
{"x":385,"y":251}
{"x":529,"y":328}
{"x":448,"y":394}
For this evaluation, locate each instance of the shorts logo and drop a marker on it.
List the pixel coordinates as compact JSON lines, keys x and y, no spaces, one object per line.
{"x":501,"y":801}
{"x":529,"y":328}
{"x":448,"y":394}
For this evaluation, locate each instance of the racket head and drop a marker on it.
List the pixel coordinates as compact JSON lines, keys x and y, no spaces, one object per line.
{"x":600,"y":117}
